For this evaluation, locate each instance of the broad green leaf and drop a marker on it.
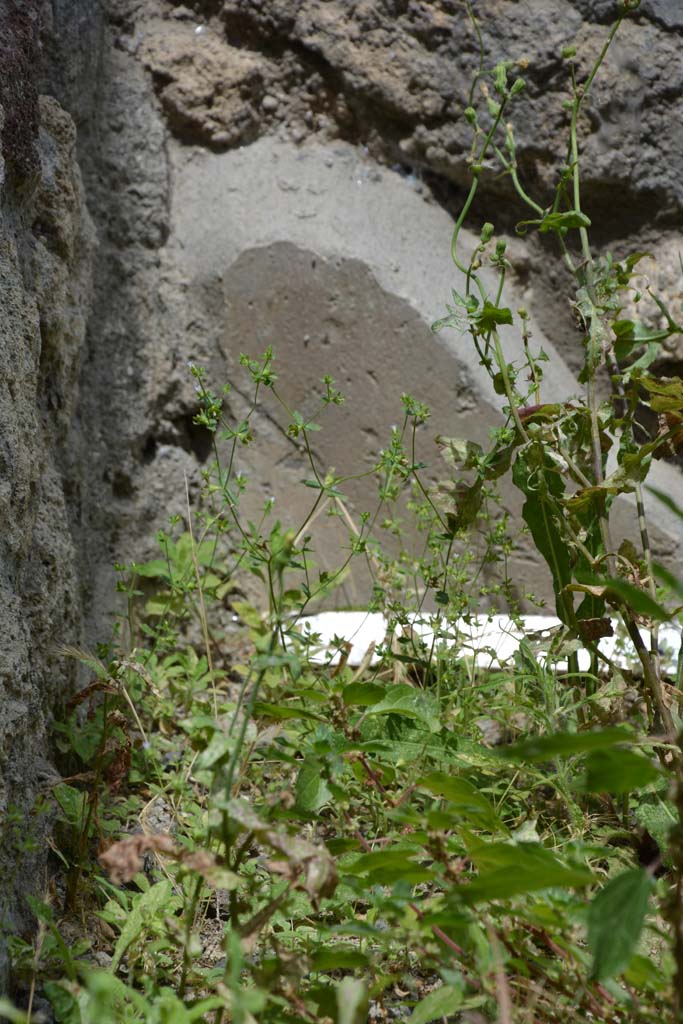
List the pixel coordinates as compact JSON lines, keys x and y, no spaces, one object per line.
{"x":362,"y":694}
{"x":389,"y":866}
{"x":615,"y":920}
{"x":156,"y":569}
{"x":465,"y":797}
{"x":489,"y":316}
{"x":64,"y":1003}
{"x":438,"y":1005}
{"x":411,"y":703}
{"x":283,"y":712}
{"x":563,"y":744}
{"x":338,"y":958}
{"x":617,"y":770}
{"x":312,"y":791}
{"x":508,"y":870}
{"x":638,"y":600}
{"x":352,"y":1001}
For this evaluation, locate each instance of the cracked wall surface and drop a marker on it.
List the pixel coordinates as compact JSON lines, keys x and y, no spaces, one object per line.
{"x":185,"y":181}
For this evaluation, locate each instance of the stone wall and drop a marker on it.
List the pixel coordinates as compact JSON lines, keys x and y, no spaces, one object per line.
{"x":256,"y":172}
{"x":46,"y":246}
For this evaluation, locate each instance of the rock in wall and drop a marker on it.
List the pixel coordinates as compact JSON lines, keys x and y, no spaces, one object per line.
{"x":264,"y":171}
{"x":46,"y":245}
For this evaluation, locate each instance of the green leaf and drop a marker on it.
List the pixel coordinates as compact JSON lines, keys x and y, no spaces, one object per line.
{"x":615,"y":920}
{"x":508,"y":869}
{"x":489,"y":316}
{"x":666,"y":393}
{"x":156,"y":569}
{"x":64,"y":1003}
{"x":338,"y":958}
{"x":667,"y":500}
{"x":617,"y":770}
{"x":72,"y":802}
{"x":563,"y":221}
{"x":384,"y":867}
{"x":352,"y":1001}
{"x":362,"y":694}
{"x":157,"y":900}
{"x":658,"y":819}
{"x":563,"y":744}
{"x":218,"y":750}
{"x":410,"y":703}
{"x":465,"y":797}
{"x":312,"y":791}
{"x":536,"y":476}
{"x":441,"y":1003}
{"x":618,"y":591}
{"x":10,"y":1013}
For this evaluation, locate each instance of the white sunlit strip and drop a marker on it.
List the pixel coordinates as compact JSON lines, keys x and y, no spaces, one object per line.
{"x":489,"y":641}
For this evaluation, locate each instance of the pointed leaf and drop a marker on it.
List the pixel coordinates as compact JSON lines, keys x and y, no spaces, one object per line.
{"x":615,"y":921}
{"x":440,"y":1004}
{"x":465,"y":797}
{"x":564,"y":744}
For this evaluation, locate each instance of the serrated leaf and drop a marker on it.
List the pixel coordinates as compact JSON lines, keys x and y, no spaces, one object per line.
{"x":615,"y":920}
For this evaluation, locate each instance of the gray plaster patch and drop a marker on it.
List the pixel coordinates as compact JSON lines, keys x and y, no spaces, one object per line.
{"x":342,"y":266}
